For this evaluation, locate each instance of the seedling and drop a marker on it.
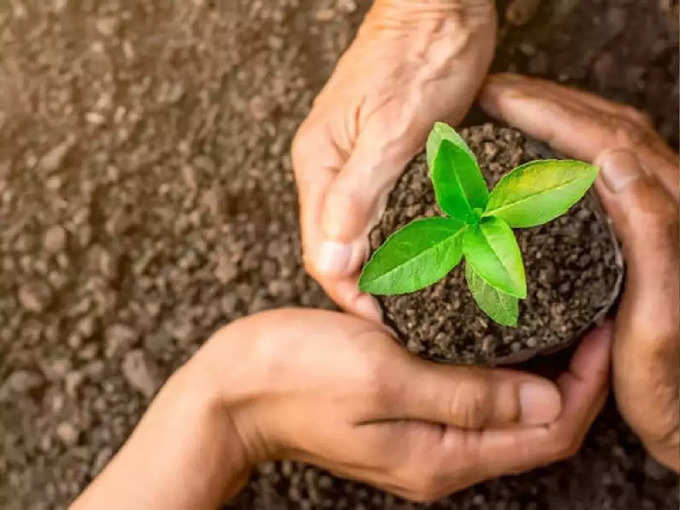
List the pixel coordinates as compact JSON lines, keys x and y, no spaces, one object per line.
{"x":478,"y":226}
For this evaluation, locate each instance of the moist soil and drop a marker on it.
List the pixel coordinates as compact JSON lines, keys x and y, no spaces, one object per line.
{"x":572,"y":264}
{"x":147,"y":198}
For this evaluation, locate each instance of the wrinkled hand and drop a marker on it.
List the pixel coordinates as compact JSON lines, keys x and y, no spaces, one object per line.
{"x":411,"y":64}
{"x":339,"y":392}
{"x":638,"y":187}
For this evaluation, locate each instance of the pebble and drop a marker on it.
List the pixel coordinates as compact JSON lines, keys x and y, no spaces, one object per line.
{"x":35,"y":296}
{"x":141,"y":373}
{"x":23,"y":381}
{"x":118,"y":338}
{"x":53,"y":159}
{"x":55,"y":239}
{"x":67,"y":433}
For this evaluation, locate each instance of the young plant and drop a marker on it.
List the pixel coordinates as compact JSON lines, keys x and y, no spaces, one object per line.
{"x":477,"y":226}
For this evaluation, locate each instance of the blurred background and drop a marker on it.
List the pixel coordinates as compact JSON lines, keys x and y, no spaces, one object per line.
{"x":146,"y":198}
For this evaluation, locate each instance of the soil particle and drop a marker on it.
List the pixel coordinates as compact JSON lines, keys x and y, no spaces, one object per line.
{"x":571,"y":264}
{"x":141,"y":373}
{"x":35,"y":296}
{"x":55,"y":239}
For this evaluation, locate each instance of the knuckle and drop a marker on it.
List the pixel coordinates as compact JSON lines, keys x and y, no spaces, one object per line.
{"x":374,"y":376}
{"x":630,"y":133}
{"x":470,"y":402}
{"x":637,"y":116}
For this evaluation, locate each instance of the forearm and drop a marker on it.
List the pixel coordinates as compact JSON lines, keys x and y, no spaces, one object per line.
{"x":184,"y":453}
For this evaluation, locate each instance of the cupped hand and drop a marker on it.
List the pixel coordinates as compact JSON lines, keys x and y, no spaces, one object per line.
{"x":638,"y":186}
{"x":337,"y":391}
{"x":411,"y":64}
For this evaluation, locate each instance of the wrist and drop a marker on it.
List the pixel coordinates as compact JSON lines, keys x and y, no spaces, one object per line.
{"x":236,"y":390}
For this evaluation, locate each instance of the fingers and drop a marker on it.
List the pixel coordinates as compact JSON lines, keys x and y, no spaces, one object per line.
{"x":424,"y":462}
{"x":646,"y":353}
{"x":583,"y":388}
{"x":645,"y":218}
{"x":316,"y":161}
{"x":577,"y":123}
{"x":469,"y":397}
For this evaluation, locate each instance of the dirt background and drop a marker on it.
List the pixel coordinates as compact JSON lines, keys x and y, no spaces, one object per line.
{"x":146,"y":197}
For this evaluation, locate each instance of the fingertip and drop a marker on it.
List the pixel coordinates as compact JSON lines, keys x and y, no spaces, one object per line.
{"x":590,"y":363}
{"x":540,"y":402}
{"x":334,"y":258}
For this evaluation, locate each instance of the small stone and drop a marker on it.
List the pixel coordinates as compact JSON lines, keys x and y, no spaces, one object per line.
{"x":35,"y":296}
{"x":260,"y":108}
{"x":58,"y":368}
{"x":325,"y":14}
{"x":94,"y":369}
{"x":67,"y":433}
{"x":226,"y":270}
{"x":101,"y":460}
{"x":87,"y":326}
{"x":95,"y":118}
{"x":157,"y":342}
{"x":118,"y":337}
{"x":55,"y":239}
{"x":71,"y":383}
{"x":141,"y":373}
{"x":23,"y":381}
{"x":53,"y":159}
{"x":107,"y":26}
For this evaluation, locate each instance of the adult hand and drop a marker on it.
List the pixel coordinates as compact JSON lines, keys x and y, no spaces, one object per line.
{"x":339,"y":392}
{"x":411,"y":64}
{"x":638,"y":186}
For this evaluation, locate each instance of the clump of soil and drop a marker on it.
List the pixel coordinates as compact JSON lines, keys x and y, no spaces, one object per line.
{"x":572,"y":264}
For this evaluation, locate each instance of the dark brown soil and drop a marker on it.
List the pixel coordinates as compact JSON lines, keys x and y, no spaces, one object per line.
{"x":146,"y":198}
{"x":572,"y":265}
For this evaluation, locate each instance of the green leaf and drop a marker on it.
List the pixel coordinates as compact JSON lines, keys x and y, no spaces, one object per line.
{"x":539,"y":191}
{"x":442,"y":131}
{"x":415,"y":256}
{"x":501,"y":307}
{"x":492,"y":250}
{"x":458,"y":184}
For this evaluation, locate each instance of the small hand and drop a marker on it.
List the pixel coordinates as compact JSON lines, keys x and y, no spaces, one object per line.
{"x":638,"y":187}
{"x":410,"y":65}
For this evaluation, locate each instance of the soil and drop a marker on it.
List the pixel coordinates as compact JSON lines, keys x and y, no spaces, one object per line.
{"x":146,"y":198}
{"x":572,"y":265}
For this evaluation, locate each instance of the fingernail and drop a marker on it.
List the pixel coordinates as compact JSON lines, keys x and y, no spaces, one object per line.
{"x":334,"y":257}
{"x":619,"y":169}
{"x":539,"y":403}
{"x":368,"y":307}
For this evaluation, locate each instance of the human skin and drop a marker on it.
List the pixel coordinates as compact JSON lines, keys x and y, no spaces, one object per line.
{"x":638,"y":187}
{"x":413,"y":62}
{"x":339,"y":392}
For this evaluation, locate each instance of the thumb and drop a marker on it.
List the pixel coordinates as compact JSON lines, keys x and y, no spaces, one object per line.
{"x":645,"y":218}
{"x":353,"y":204}
{"x":473,"y":398}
